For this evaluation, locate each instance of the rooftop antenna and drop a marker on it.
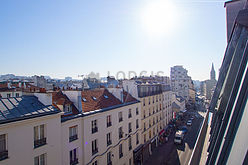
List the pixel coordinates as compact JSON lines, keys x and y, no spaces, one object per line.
{"x":82,"y":81}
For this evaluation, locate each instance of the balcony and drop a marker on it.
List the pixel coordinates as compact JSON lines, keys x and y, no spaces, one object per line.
{"x":39,"y":143}
{"x":94,"y":130}
{"x":94,"y":151}
{"x":109,"y":142}
{"x":72,"y":138}
{"x":3,"y":155}
{"x":109,"y":124}
{"x":74,"y":162}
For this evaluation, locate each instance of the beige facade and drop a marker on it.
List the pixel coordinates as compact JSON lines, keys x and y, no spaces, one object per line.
{"x":19,"y":138}
{"x":119,"y":118}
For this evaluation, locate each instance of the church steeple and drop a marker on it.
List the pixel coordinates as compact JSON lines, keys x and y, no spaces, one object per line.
{"x":212,"y":73}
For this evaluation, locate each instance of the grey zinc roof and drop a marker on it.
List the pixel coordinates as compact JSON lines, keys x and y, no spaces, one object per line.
{"x":19,"y":108}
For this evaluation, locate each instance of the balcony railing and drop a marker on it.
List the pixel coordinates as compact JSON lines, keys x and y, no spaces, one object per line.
{"x":109,"y":124}
{"x":72,"y":138}
{"x":74,"y":162}
{"x":94,"y":130}
{"x":95,"y":151}
{"x":3,"y":155}
{"x":39,"y":143}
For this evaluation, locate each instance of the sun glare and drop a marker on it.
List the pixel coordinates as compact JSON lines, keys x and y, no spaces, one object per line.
{"x":159,"y":17}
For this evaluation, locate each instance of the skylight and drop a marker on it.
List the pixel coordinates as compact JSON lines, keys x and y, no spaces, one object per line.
{"x":84,"y":99}
{"x":94,"y":98}
{"x":106,"y":97}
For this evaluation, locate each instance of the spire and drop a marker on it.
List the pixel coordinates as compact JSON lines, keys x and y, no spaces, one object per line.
{"x":212,"y":73}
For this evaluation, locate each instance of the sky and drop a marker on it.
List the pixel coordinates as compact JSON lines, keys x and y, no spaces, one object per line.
{"x":62,"y":38}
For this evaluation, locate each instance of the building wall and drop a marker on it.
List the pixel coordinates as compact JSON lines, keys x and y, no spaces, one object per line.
{"x":150,"y":112}
{"x":101,"y":135}
{"x":68,"y":146}
{"x":20,"y":140}
{"x":180,"y":81}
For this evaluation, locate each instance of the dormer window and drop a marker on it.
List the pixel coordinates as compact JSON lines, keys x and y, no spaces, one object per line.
{"x":106,"y":97}
{"x":84,"y":99}
{"x":67,"y":108}
{"x":94,"y":98}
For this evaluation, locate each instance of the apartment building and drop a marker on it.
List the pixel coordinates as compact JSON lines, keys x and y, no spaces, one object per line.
{"x":29,"y":131}
{"x":180,"y":81}
{"x":153,"y":114}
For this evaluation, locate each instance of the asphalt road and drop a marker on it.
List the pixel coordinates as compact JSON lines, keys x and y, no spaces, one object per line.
{"x":172,"y":154}
{"x":181,"y":153}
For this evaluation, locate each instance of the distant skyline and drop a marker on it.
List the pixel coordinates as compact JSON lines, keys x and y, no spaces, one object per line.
{"x":69,"y":38}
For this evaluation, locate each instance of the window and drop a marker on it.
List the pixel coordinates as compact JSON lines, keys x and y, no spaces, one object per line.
{"x":137,"y":111}
{"x":120,"y":151}
{"x":73,"y":133}
{"x":8,"y":95}
{"x":109,"y":123}
{"x":94,"y":147}
{"x":153,"y":99}
{"x":94,"y":126}
{"x":67,"y":108}
{"x":149,"y":100}
{"x":144,"y":127}
{"x":130,"y":161}
{"x":39,"y":136}
{"x":40,"y":160}
{"x":109,"y":160}
{"x":94,"y":163}
{"x":149,"y":112}
{"x":129,"y":113}
{"x":130,"y":143}
{"x":109,"y":141}
{"x":137,"y":123}
{"x":17,"y":95}
{"x":144,"y":100}
{"x":129,"y":127}
{"x":144,"y":138}
{"x":144,"y":113}
{"x":120,"y":116}
{"x":3,"y":147}
{"x":74,"y":156}
{"x":137,"y":138}
{"x":120,"y":133}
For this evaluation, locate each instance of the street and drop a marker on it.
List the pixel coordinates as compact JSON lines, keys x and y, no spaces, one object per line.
{"x":172,"y":154}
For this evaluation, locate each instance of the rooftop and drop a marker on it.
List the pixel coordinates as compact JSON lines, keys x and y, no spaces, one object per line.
{"x":14,"y":109}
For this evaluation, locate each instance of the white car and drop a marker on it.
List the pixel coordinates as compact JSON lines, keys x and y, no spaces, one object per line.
{"x":189,"y":123}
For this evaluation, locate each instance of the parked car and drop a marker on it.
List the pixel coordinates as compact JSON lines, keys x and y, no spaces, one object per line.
{"x":178,"y":137}
{"x":189,"y":123}
{"x":184,"y":129}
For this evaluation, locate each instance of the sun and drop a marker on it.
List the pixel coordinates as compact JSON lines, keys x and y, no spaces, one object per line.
{"x":159,"y":17}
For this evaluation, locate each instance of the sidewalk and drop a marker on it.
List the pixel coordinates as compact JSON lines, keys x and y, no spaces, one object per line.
{"x":161,"y":153}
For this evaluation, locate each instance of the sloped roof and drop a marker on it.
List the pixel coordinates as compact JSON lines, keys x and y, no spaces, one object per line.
{"x":58,"y":98}
{"x":14,"y":109}
{"x":102,"y":98}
